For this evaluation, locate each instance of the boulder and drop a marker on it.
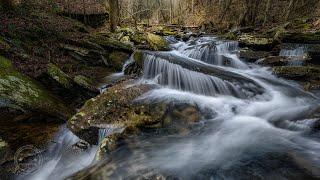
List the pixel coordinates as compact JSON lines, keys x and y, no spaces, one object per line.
{"x":118,"y":110}
{"x":21,"y":93}
{"x":157,"y":43}
{"x":256,"y":43}
{"x":135,"y":66}
{"x":115,"y":108}
{"x":4,"y":148}
{"x":84,"y":82}
{"x":108,"y":43}
{"x":92,"y":56}
{"x":59,"y":76}
{"x":298,"y":72}
{"x":302,"y":37}
{"x":116,"y":60}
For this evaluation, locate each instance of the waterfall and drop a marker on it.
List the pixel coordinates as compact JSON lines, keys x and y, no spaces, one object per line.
{"x":257,"y":138}
{"x":296,"y":56}
{"x":209,"y":50}
{"x":176,"y":77}
{"x":242,"y":135}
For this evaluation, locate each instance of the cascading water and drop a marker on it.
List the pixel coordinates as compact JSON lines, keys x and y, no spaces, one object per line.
{"x":174,"y":76}
{"x":269,"y":137}
{"x":296,"y":55}
{"x":266,"y":137}
{"x":61,"y":159}
{"x":209,"y":50}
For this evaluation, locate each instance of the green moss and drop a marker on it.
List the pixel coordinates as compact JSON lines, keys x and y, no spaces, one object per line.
{"x":138,"y":57}
{"x":25,"y":93}
{"x":156,"y":42}
{"x":4,"y":45}
{"x":58,"y":75}
{"x":109,"y":43}
{"x":248,"y":39}
{"x":138,"y":38}
{"x":5,"y":63}
{"x":83,"y":81}
{"x":311,"y":72}
{"x":116,"y":59}
{"x":230,"y":36}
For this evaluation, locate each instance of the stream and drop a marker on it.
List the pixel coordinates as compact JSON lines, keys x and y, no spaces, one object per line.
{"x":256,"y":126}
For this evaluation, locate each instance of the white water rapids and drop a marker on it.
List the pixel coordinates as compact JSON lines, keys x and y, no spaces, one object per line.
{"x":264,"y":136}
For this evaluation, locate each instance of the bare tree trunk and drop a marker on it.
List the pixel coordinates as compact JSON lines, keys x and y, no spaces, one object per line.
{"x":289,"y":9}
{"x":266,"y":12}
{"x":192,"y":6}
{"x":84,"y":11}
{"x":114,"y":14}
{"x":171,"y":11}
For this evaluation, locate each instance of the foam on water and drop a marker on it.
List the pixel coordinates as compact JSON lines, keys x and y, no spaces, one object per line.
{"x":243,"y":136}
{"x":61,"y":160}
{"x":266,"y":137}
{"x":174,"y":76}
{"x":212,"y":51}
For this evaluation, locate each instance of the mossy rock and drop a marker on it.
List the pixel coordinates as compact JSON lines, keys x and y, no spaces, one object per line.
{"x":298,"y":72}
{"x":4,"y":148}
{"x":109,"y":43}
{"x":57,"y":74}
{"x":4,"y":46}
{"x":138,"y":38}
{"x":157,"y":43}
{"x":22,"y":93}
{"x":305,"y":38}
{"x":117,"y":59}
{"x":115,"y":108}
{"x":135,"y":67}
{"x":84,"y":82}
{"x":230,"y":36}
{"x":256,"y":43}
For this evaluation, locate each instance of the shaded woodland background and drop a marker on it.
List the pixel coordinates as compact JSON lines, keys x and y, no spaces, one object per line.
{"x":218,"y":13}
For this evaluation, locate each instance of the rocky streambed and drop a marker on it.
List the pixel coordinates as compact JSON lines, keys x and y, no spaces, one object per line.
{"x":203,"y":109}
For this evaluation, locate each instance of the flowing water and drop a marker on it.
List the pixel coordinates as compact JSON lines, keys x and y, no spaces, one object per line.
{"x":297,"y":53}
{"x":259,"y":125}
{"x":266,"y":136}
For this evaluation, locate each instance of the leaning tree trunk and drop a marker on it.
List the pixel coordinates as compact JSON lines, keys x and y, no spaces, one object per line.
{"x":114,"y":14}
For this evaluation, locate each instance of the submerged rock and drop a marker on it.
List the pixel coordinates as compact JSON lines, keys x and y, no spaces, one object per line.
{"x":19,"y":92}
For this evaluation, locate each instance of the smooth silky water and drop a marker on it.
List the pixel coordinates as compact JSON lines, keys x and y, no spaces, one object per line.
{"x":247,"y":135}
